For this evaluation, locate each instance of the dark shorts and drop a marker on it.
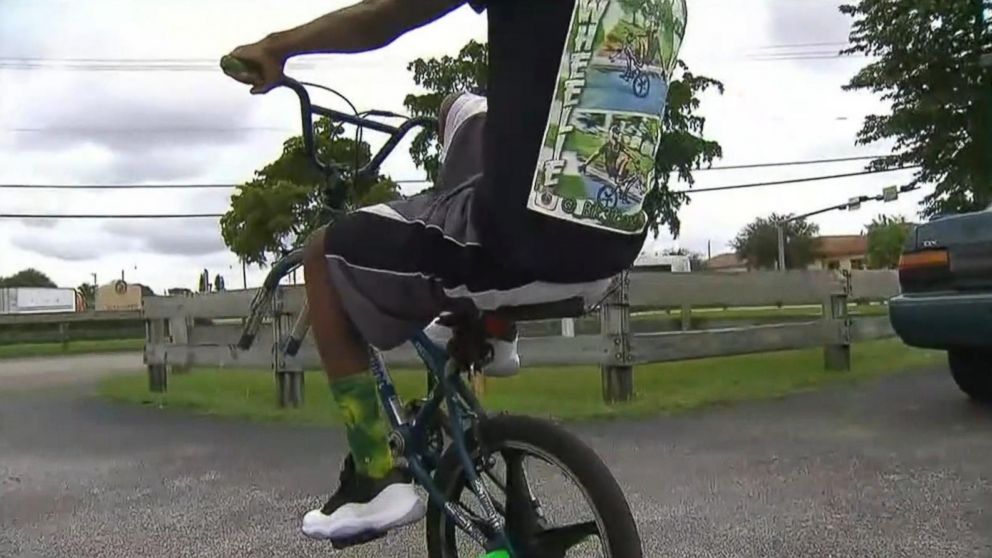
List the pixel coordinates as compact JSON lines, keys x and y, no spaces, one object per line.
{"x":397,"y":266}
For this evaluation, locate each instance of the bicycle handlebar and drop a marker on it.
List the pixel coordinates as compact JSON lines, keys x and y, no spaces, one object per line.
{"x":237,"y":69}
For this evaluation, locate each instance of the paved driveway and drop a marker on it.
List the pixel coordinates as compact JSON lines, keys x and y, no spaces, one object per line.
{"x":897,"y":468}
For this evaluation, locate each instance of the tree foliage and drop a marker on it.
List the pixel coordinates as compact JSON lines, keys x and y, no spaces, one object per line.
{"x":88,"y":292}
{"x":886,"y":237}
{"x":286,"y":200}
{"x":757,"y":243}
{"x":927,"y":68}
{"x":29,"y":277}
{"x":683,"y":147}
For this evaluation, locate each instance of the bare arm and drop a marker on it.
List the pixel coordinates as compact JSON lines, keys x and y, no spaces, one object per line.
{"x":362,"y":27}
{"x":365,"y":26}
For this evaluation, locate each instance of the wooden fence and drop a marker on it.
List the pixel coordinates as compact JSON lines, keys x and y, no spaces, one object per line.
{"x":64,"y":327}
{"x":200,"y":331}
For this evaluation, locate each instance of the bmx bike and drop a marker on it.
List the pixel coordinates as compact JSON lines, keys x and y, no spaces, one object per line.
{"x":475,"y":467}
{"x":639,"y":80}
{"x":610,"y":195}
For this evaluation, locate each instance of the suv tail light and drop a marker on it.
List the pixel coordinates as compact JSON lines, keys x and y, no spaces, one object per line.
{"x":927,"y":270}
{"x":928,"y":259}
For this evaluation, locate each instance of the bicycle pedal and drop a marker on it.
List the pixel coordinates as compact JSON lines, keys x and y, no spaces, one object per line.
{"x":360,"y":539}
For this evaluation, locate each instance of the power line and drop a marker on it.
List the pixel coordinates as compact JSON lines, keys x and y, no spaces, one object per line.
{"x":96,"y":216}
{"x":147,"y":186}
{"x":793,"y":163}
{"x":218,"y":215}
{"x":403,"y":181}
{"x":792,"y":181}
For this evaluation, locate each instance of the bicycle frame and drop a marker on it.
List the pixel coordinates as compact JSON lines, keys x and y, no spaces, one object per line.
{"x":410,"y":436}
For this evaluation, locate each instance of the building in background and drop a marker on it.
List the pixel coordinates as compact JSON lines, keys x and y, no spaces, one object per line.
{"x":842,"y":252}
{"x":657,"y":261}
{"x":120,"y":296}
{"x":726,"y":263}
{"x":38,"y":300}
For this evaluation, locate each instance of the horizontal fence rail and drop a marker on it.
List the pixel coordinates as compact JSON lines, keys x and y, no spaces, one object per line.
{"x":201,"y":331}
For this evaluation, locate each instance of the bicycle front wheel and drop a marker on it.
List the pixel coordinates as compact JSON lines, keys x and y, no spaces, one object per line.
{"x":527,"y":465}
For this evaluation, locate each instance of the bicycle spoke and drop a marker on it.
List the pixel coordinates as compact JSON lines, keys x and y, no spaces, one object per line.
{"x":556,"y":542}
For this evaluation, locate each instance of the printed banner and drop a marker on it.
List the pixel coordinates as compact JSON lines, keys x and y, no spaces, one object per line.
{"x":597,"y":162}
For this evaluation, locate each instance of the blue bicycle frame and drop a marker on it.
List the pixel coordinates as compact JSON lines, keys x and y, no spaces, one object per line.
{"x":447,"y":387}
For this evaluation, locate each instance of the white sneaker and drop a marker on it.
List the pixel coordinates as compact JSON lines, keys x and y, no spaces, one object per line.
{"x":506,"y":359}
{"x":364,"y":509}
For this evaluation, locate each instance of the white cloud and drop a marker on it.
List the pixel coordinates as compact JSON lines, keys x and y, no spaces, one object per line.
{"x":773,"y":111}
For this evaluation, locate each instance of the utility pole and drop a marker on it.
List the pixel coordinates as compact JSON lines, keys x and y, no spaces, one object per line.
{"x":780,"y":228}
{"x":94,"y":280}
{"x":244,"y":274}
{"x":889,"y":194}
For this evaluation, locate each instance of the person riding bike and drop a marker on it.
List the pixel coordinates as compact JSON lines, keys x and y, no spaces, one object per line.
{"x":385,"y":272}
{"x":617,"y":157}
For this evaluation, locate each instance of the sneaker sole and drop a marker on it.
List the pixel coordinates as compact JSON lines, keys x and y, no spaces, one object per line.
{"x":375,"y":519}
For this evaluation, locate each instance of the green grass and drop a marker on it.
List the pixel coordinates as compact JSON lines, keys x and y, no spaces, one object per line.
{"x":23,"y":350}
{"x":570,"y":393}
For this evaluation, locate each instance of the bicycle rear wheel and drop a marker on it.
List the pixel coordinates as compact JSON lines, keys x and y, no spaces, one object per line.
{"x":517,"y":454}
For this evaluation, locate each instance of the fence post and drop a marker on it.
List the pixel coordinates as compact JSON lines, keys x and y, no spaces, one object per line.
{"x":158,"y":378}
{"x":288,"y":373}
{"x":179,"y":331}
{"x":837,"y":356}
{"x":618,"y":377}
{"x":64,"y":336}
{"x":568,"y":327}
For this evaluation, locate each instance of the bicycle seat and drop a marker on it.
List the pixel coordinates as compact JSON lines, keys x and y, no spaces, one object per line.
{"x":566,"y":308}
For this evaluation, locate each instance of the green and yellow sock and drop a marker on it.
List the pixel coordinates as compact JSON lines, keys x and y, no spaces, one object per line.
{"x":367,"y":429}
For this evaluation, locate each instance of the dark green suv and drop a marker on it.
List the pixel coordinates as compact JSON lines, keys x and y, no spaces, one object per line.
{"x":946,"y":300}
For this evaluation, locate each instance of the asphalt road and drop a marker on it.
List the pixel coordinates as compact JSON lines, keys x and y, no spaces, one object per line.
{"x":897,"y":468}
{"x":33,"y":373}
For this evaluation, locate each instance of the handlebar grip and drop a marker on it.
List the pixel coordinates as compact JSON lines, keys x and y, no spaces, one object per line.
{"x":241,"y":70}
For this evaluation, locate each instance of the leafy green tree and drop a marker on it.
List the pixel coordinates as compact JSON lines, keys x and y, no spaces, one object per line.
{"x":926,"y":66}
{"x":286,"y":200}
{"x":683,"y":147}
{"x":29,"y":277}
{"x":88,"y":292}
{"x":757,"y":243}
{"x":886,"y":237}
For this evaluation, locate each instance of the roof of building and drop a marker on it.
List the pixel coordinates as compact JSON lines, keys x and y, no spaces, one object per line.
{"x":841,"y":245}
{"x":725,"y":261}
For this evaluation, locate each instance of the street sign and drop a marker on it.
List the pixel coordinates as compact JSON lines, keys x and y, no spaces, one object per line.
{"x":890,"y":194}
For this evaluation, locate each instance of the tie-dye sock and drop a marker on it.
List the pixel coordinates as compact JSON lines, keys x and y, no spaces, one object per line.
{"x":367,"y":429}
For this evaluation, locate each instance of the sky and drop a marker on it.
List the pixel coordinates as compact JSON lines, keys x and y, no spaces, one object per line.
{"x":68,"y":118}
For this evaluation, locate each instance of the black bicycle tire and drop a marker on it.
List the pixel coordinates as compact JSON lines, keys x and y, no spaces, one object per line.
{"x":587,"y":469}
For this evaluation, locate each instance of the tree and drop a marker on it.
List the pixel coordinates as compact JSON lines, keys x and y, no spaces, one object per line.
{"x":886,"y":237}
{"x":286,"y":201}
{"x":204,"y":283}
{"x":696,"y":260}
{"x":683,"y":146}
{"x":927,"y":67}
{"x":757,"y":243}
{"x":27,"y":278}
{"x":88,"y":292}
